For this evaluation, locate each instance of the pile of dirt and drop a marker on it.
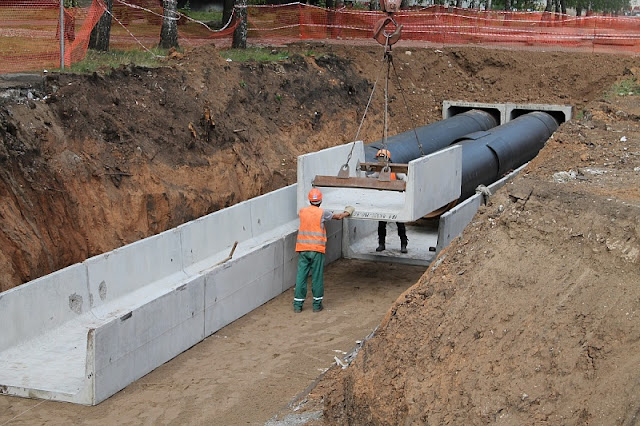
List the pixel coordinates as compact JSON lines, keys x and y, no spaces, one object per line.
{"x":531,"y":316}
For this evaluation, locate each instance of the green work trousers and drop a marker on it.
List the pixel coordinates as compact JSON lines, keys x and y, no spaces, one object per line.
{"x":309,"y":261}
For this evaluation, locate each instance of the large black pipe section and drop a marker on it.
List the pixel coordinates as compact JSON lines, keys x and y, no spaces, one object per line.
{"x":433,"y":137}
{"x":489,"y":155}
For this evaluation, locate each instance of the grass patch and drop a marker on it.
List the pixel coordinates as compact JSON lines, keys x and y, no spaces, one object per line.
{"x":257,"y":54}
{"x":625,"y":87}
{"x":95,"y":60}
{"x":203,"y":16}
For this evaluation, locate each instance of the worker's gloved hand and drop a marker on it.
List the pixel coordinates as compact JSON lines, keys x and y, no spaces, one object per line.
{"x":350,"y":210}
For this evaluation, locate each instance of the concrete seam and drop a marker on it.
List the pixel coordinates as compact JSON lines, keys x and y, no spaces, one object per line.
{"x":152,"y":340}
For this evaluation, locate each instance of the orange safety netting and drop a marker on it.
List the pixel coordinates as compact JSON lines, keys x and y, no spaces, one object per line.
{"x":137,"y":23}
{"x":441,"y":25}
{"x":29,"y":29}
{"x":30,"y":34}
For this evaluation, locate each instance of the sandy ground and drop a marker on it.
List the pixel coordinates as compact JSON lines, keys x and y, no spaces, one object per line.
{"x":250,"y":370}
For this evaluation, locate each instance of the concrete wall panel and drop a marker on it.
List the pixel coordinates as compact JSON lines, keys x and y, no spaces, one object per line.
{"x":134,"y":344}
{"x":117,"y":273}
{"x":433,"y":181}
{"x":43,"y":304}
{"x":453,"y":222}
{"x":327,"y":162}
{"x":241,"y":285}
{"x":353,"y":231}
{"x":209,"y":239}
{"x":290,"y":261}
{"x":272,"y":210}
{"x":334,"y":241}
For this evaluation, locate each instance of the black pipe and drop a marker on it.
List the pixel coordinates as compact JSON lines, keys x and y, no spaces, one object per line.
{"x":433,"y":137}
{"x":489,"y":155}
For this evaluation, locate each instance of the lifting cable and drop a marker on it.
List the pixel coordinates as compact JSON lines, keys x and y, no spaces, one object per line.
{"x":345,"y":167}
{"x":386,"y":39}
{"x":385,"y":131}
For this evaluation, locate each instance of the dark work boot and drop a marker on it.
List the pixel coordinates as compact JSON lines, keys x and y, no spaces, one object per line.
{"x":402,"y":233}
{"x":382,"y":235}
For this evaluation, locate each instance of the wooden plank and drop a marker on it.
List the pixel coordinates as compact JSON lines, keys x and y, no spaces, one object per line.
{"x":357,"y":182}
{"x":377,"y":166}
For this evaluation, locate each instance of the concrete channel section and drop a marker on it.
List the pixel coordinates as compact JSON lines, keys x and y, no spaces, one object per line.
{"x":83,"y":333}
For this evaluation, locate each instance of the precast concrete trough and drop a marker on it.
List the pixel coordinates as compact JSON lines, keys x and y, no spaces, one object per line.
{"x":85,"y":332}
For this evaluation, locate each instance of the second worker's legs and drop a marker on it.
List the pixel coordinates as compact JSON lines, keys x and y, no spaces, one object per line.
{"x":402,"y":233}
{"x":382,"y":235}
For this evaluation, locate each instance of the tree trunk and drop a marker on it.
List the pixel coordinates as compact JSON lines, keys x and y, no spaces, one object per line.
{"x":101,"y":33}
{"x":240,"y":34}
{"x":169,"y":30}
{"x":563,"y":6}
{"x":458,"y":3}
{"x":227,"y":10}
{"x":488,"y":5}
{"x":507,"y":5}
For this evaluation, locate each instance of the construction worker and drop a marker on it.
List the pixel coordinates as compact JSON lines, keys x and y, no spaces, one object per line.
{"x":310,"y":245}
{"x":384,"y":156}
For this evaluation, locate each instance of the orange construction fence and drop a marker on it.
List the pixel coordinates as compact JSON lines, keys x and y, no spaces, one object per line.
{"x":29,"y":29}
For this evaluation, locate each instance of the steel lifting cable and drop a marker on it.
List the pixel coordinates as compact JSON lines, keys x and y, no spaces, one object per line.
{"x":346,"y":165}
{"x":389,"y":39}
{"x":406,"y":106}
{"x":385,"y":131}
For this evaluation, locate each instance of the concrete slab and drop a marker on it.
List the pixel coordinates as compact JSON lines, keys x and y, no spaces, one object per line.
{"x":53,"y":365}
{"x":209,"y":239}
{"x":85,"y":332}
{"x":421,"y":247}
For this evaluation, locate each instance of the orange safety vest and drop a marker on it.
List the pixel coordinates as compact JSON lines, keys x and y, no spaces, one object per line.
{"x":311,"y":234}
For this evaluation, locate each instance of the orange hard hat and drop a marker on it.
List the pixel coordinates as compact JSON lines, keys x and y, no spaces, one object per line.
{"x":383,"y":153}
{"x":315,"y":196}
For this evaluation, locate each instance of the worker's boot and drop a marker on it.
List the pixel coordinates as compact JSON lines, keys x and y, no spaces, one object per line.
{"x":403,"y":244}
{"x":382,"y":235}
